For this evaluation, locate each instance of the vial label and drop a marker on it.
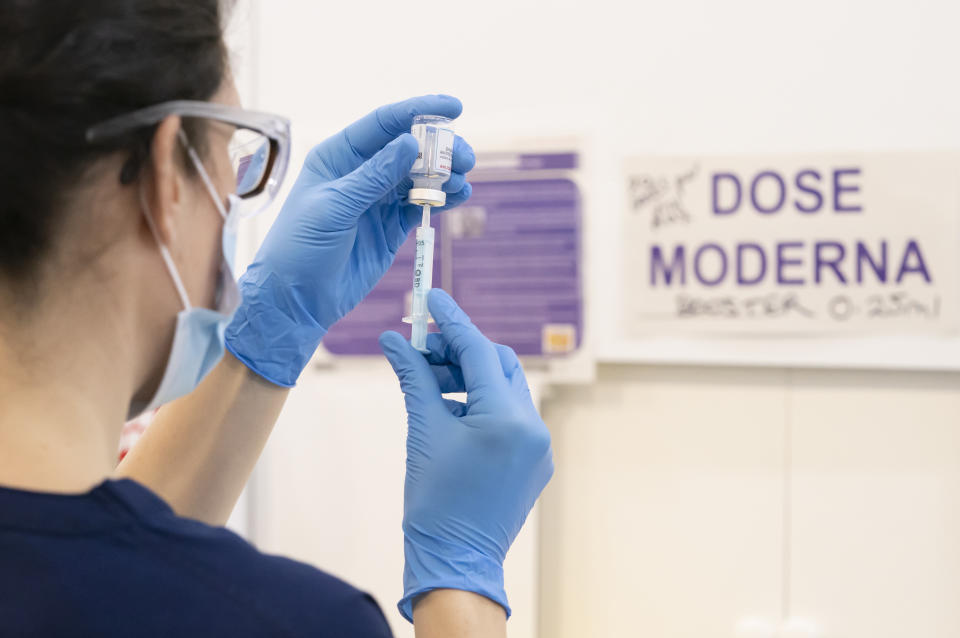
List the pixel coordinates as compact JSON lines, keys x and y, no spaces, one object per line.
{"x":441,"y":153}
{"x":444,"y":150}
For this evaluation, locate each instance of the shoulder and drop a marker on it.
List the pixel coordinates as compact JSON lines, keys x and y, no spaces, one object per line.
{"x":312,"y":597}
{"x":284,"y":592}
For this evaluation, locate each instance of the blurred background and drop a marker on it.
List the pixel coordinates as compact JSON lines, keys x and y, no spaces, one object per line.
{"x":707,"y":484}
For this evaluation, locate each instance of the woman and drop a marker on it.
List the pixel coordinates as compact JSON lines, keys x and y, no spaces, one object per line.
{"x":126,"y":163}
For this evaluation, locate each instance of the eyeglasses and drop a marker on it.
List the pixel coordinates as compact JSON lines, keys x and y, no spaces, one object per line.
{"x":259,"y":146}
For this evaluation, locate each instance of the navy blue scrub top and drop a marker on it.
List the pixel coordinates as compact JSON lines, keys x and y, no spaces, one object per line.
{"x":116,"y":561}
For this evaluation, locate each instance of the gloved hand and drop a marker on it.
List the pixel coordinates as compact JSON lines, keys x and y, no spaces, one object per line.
{"x":474,"y":469}
{"x":336,"y":235}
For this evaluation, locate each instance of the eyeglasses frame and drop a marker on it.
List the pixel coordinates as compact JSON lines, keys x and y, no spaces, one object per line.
{"x":275,"y":127}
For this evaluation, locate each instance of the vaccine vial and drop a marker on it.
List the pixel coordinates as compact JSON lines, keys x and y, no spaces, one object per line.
{"x":434,"y":135}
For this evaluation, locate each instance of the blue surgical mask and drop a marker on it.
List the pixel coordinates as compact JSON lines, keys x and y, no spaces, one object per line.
{"x":198,"y":341}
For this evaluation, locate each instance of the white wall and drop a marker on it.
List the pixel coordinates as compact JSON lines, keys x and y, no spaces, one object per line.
{"x":876,"y":528}
{"x":669,"y":515}
{"x":666,"y":517}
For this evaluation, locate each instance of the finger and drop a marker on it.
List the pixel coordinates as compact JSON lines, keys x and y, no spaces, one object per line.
{"x":412,"y":215}
{"x":455,"y":183}
{"x":439,"y":350}
{"x":441,"y":356}
{"x":456,"y":178}
{"x":417,"y":381}
{"x":342,"y":153}
{"x":369,"y":134}
{"x":449,"y":378}
{"x":374,"y":179}
{"x":455,"y":199}
{"x":457,"y":408}
{"x":449,"y":375}
{"x":508,"y":360}
{"x":464,"y":158}
{"x":512,"y":368}
{"x":398,"y":222}
{"x":476,"y":355}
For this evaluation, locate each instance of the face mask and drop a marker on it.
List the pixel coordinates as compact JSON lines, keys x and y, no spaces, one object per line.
{"x":198,"y":342}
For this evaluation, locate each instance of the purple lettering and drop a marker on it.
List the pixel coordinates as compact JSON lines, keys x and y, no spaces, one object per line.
{"x":810,"y":190}
{"x":780,"y":185}
{"x":761,"y":271}
{"x":698,"y":260}
{"x":730,"y":177}
{"x":668,"y":271}
{"x":839,"y":189}
{"x":920,"y":267}
{"x":834,"y":264}
{"x":879,"y":269}
{"x":783,"y":261}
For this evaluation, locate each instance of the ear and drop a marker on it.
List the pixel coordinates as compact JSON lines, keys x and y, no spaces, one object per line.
{"x":164,"y":197}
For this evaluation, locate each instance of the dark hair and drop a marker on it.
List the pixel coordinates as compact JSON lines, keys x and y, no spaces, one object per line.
{"x":66,"y":65}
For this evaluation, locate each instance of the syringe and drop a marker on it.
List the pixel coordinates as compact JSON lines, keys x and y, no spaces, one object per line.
{"x":422,"y":282}
{"x":434,"y":134}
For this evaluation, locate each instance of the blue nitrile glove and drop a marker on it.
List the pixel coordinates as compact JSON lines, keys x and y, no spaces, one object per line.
{"x":474,"y":469}
{"x":336,"y":235}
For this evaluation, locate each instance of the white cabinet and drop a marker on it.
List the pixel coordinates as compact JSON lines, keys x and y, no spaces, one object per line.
{"x":664,"y":516}
{"x":876,"y":487}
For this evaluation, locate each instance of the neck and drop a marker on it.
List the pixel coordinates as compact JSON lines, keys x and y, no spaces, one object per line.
{"x":63,"y":399}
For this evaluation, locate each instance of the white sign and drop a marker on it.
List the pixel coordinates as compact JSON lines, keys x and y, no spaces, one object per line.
{"x":792,"y":245}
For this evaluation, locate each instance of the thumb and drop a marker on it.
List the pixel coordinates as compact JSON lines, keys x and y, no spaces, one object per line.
{"x":372,"y":180}
{"x":417,"y":381}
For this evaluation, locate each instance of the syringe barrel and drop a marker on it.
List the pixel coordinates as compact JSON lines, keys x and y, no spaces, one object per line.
{"x":422,"y":283}
{"x":423,"y":265}
{"x":418,"y":334}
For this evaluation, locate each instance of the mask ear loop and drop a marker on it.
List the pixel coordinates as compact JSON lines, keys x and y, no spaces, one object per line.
{"x":167,"y":259}
{"x":204,"y":176}
{"x":230,"y":219}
